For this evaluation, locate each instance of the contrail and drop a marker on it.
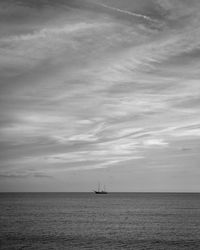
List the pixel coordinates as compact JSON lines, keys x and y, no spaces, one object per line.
{"x":128,"y":12}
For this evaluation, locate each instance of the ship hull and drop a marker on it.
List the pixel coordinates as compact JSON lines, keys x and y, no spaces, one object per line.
{"x":100,"y":192}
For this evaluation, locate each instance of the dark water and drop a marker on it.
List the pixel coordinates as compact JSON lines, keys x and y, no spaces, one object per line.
{"x":89,"y":221}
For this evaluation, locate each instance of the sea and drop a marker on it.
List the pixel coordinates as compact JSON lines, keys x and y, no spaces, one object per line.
{"x":90,"y":221}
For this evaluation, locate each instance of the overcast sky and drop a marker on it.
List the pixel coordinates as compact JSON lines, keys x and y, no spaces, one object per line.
{"x":100,"y":90}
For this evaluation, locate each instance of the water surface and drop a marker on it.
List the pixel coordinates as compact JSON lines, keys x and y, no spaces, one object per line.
{"x":89,"y":221}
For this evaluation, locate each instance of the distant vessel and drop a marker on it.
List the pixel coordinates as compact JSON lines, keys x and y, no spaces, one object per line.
{"x":100,"y":191}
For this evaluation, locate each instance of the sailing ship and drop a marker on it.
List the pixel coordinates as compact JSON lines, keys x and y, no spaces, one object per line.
{"x":100,"y":191}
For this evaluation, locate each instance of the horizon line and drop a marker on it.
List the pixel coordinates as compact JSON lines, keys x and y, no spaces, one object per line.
{"x":172,"y":192}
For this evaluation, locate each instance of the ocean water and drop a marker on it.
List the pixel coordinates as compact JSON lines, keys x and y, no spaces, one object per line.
{"x":89,"y":221}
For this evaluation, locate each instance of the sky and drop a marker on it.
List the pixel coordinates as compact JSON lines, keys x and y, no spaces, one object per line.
{"x":100,"y":91}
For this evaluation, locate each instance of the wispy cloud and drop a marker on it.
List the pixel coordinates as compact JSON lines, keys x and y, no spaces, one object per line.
{"x":89,"y":90}
{"x":23,"y":175}
{"x":127,"y":12}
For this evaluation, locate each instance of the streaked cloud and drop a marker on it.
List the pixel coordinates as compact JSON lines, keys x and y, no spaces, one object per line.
{"x":93,"y":85}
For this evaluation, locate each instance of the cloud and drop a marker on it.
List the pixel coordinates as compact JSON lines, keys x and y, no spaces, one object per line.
{"x":23,"y":175}
{"x":127,"y":12}
{"x":89,"y":90}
